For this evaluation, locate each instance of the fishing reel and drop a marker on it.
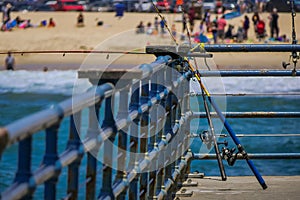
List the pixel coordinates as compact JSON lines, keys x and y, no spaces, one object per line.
{"x":207,"y":138}
{"x":229,"y":155}
{"x":294,"y":57}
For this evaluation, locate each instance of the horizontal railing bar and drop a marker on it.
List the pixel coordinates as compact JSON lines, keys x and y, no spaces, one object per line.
{"x":221,"y":48}
{"x":155,"y":66}
{"x":201,"y":55}
{"x":252,"y":48}
{"x":31,"y":124}
{"x":256,"y":156}
{"x":247,"y":73}
{"x":193,"y":135}
{"x":250,"y":114}
{"x":248,"y":94}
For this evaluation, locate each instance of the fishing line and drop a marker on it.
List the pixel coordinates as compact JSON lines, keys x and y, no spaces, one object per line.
{"x":71,"y":52}
{"x":165,"y":23}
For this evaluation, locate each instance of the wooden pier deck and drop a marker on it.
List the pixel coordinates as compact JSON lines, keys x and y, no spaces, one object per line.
{"x":244,"y":187}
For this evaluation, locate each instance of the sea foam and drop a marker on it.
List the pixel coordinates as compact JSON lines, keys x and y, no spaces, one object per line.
{"x":66,"y":82}
{"x":51,"y":82}
{"x":250,"y":85}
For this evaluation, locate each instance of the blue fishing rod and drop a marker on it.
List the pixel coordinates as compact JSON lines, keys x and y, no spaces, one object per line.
{"x":229,"y":154}
{"x":238,"y":143}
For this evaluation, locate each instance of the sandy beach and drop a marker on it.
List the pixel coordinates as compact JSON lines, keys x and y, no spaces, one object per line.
{"x":117,"y":35}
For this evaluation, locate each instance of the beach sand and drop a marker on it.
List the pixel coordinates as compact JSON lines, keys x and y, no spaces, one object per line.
{"x":118,"y":35}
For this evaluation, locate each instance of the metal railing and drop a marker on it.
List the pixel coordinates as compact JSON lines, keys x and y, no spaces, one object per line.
{"x":145,"y":151}
{"x":161,"y":164}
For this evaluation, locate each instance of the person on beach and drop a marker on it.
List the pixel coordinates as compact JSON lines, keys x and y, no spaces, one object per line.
{"x":214,"y":30}
{"x":162,"y":26}
{"x":9,"y":62}
{"x":255,"y":20}
{"x":80,"y":20}
{"x":221,"y":27}
{"x":120,"y":7}
{"x":51,"y":23}
{"x":140,"y":28}
{"x":173,"y":30}
{"x":19,"y":20}
{"x":192,"y":15}
{"x":149,"y":29}
{"x":6,"y":13}
{"x":184,"y":22}
{"x":274,"y":24}
{"x":6,"y":16}
{"x":156,"y":24}
{"x":206,"y":19}
{"x":246,"y":25}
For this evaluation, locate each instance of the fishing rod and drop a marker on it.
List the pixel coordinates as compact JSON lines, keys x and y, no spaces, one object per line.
{"x":71,"y":52}
{"x":229,"y":154}
{"x":226,"y":152}
{"x":165,"y":23}
{"x":213,"y":137}
{"x":295,"y":57}
{"x":64,"y":52}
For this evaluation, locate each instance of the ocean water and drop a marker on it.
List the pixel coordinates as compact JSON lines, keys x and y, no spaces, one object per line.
{"x":25,"y":92}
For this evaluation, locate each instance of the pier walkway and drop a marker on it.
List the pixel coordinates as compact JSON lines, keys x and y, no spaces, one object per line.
{"x":244,"y":187}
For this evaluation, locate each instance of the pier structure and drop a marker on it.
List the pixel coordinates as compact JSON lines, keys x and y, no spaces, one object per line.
{"x":137,"y":142}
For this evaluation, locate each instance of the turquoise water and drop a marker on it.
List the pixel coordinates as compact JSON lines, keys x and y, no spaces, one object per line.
{"x":24,"y":92}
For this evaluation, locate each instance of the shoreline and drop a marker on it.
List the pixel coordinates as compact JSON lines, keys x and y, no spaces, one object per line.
{"x":117,"y":34}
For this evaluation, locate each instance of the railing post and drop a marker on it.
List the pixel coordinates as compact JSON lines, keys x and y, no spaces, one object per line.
{"x":108,"y":122}
{"x":114,"y":76}
{"x":50,"y":158}
{"x":134,"y":103}
{"x":161,"y":136}
{"x":92,"y":132}
{"x":144,"y":134}
{"x":168,"y":129}
{"x":122,"y":138}
{"x":186,"y":129}
{"x":176,"y":114}
{"x":154,"y":128}
{"x":24,"y":162}
{"x":182,"y":136}
{"x":74,"y":144}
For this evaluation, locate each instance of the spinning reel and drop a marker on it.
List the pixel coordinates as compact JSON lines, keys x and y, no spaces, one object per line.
{"x":207,"y":139}
{"x":229,"y":155}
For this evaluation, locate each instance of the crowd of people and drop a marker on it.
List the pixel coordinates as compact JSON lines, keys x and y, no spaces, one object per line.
{"x":213,"y":31}
{"x":8,"y":23}
{"x":219,"y":29}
